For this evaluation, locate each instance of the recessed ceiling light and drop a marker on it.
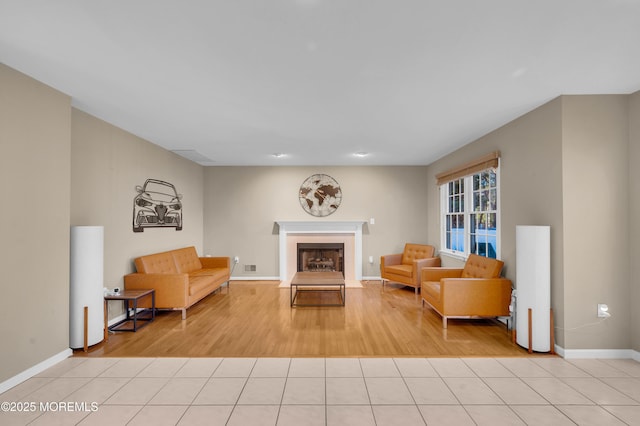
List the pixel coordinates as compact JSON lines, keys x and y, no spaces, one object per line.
{"x":278,"y":155}
{"x":361,"y":154}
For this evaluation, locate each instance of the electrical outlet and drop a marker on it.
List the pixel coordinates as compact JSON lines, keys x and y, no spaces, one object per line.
{"x":236,"y":260}
{"x":603,"y":310}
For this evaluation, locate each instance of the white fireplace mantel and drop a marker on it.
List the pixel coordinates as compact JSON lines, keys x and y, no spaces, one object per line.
{"x":352,"y":227}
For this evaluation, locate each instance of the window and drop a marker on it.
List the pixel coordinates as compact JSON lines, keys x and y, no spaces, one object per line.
{"x":454,"y":216}
{"x":484,"y":214}
{"x":469,"y":206}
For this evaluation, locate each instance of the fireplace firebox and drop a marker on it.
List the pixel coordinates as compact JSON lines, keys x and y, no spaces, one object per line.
{"x":321,"y":257}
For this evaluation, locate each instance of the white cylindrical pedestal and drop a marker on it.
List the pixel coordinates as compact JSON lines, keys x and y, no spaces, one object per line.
{"x":86,"y":285}
{"x":533,"y":286}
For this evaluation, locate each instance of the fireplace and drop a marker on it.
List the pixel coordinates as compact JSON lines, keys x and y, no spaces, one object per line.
{"x":348,"y":233}
{"x":320,"y":257}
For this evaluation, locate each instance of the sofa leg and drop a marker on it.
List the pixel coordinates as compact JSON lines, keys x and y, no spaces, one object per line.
{"x":184,"y":314}
{"x":416,"y":291}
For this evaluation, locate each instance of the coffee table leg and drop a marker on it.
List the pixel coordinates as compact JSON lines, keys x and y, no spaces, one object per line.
{"x":135,"y":314}
{"x":293,"y":294}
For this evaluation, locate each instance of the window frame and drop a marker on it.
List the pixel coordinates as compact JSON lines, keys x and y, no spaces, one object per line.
{"x":467,"y":213}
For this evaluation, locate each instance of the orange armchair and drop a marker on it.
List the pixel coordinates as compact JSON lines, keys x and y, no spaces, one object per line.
{"x":475,"y":291}
{"x":404,"y":268}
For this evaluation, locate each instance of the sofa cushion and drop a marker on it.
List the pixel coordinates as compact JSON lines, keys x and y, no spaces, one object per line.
{"x":216,"y":273}
{"x":403,"y":270}
{"x":160,"y":263}
{"x":197,"y":284}
{"x":187,"y":260}
{"x":416,"y":251}
{"x":482,"y":267}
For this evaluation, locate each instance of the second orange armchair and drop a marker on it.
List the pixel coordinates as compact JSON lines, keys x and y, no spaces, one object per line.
{"x":405,"y":268}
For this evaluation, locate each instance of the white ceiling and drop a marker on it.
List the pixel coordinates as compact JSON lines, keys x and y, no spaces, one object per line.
{"x":407,"y":81}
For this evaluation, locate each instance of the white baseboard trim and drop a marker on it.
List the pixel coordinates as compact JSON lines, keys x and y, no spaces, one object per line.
{"x":371,"y":278}
{"x":597,"y":353}
{"x":36,"y":369}
{"x":255,"y":278}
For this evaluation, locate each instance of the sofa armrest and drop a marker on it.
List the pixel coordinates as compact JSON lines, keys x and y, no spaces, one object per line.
{"x":476,"y":296}
{"x":390,"y":259}
{"x":215,"y":262}
{"x":172,"y":290}
{"x":436,"y":274}
{"x":418,"y":264}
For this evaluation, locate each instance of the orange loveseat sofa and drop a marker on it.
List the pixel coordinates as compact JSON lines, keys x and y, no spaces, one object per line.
{"x":477,"y":290}
{"x":179,"y":277}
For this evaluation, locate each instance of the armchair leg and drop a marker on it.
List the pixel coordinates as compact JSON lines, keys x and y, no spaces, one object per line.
{"x":444,"y":322}
{"x":416,"y":291}
{"x":184,"y":314}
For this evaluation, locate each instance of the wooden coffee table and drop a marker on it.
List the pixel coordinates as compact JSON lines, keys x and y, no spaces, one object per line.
{"x":317,"y":282}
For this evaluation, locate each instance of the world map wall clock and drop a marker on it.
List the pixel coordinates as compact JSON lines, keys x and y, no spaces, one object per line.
{"x":320,"y":195}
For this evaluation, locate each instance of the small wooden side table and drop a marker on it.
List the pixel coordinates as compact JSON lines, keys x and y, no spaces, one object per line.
{"x":130,"y":299}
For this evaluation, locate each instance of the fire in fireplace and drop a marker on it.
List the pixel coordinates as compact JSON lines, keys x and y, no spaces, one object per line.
{"x":321,"y":257}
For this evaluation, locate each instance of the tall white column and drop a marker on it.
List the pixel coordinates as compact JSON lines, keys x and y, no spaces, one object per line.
{"x":533,"y":286}
{"x":86,"y":285}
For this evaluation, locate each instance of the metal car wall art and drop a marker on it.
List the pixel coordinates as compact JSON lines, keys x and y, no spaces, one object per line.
{"x":157,"y":205}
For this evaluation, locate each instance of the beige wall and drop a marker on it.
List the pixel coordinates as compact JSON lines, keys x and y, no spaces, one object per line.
{"x":242,"y":205}
{"x":634,"y":216}
{"x":565,"y":164}
{"x":106,"y":165}
{"x":34,"y":230}
{"x":531,"y":187}
{"x":596,"y":211}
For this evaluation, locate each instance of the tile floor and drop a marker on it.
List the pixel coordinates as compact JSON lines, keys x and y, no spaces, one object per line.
{"x":331,"y":391}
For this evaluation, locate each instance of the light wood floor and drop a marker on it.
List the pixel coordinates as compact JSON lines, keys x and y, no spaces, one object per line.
{"x":254,"y":319}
